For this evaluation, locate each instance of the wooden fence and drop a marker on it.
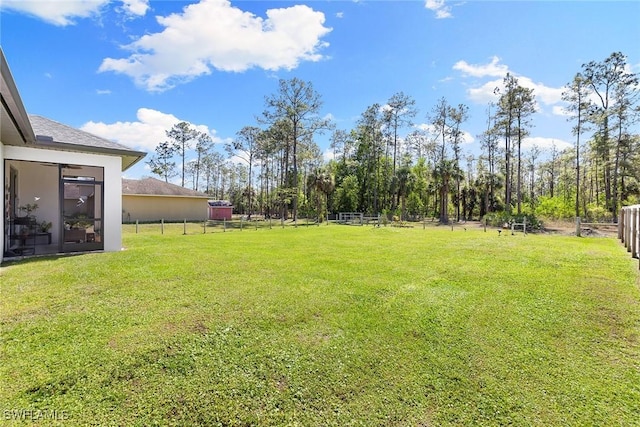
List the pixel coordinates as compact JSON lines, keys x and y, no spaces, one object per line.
{"x":629,"y":229}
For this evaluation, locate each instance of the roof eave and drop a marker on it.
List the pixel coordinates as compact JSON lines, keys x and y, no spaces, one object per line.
{"x":181,"y":196}
{"x":12,"y":103}
{"x":129,"y":157}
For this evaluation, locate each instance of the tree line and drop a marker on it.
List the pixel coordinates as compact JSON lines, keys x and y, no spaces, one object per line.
{"x":386,"y":164}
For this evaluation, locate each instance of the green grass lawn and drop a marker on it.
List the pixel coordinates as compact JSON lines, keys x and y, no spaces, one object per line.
{"x":330,"y":325}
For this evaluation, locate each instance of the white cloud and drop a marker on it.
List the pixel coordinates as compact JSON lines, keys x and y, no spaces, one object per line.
{"x":439,"y":7}
{"x":340,"y":15}
{"x":213,"y":34}
{"x":485,"y":93}
{"x":545,"y":144}
{"x":467,"y":138}
{"x":489,"y":91}
{"x":63,"y":13}
{"x":135,"y":7}
{"x":103,"y":92}
{"x":328,"y":155}
{"x":329,"y":117}
{"x":145,"y":133}
{"x":434,"y":134}
{"x":545,"y":94}
{"x":559,"y":110}
{"x":492,"y":69}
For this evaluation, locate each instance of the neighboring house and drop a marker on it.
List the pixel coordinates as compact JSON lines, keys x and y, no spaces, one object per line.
{"x":151,"y":199}
{"x":72,"y":176}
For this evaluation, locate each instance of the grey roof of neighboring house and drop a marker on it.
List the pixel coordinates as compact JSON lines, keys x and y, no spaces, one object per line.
{"x":155,"y":187}
{"x":52,"y":134}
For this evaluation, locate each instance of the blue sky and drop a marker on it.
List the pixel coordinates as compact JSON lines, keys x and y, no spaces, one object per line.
{"x":129,"y":70}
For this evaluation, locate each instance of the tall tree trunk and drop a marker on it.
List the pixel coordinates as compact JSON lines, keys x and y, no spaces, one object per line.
{"x":606,"y":160}
{"x":507,"y":175}
{"x":578,"y":168}
{"x":519,"y":172}
{"x":616,"y":166}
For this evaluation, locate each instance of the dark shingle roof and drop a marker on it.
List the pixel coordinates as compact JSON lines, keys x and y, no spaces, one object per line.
{"x":52,"y":134}
{"x":155,"y":187}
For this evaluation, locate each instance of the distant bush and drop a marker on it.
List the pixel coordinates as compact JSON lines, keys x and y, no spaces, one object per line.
{"x":598,"y":213}
{"x":504,"y":219}
{"x":631,"y":200}
{"x":497,"y":219}
{"x":555,"y":208}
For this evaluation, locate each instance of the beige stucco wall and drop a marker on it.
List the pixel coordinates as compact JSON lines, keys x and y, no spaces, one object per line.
{"x":169,"y":208}
{"x":5,"y":186}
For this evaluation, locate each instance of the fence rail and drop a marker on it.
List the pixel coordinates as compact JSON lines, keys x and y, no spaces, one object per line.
{"x":211,"y":226}
{"x":629,"y":230}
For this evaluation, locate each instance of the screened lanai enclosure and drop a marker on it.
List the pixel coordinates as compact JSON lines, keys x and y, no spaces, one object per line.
{"x":52,"y":208}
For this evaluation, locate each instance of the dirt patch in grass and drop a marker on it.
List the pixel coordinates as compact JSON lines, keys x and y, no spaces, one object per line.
{"x":587,"y":230}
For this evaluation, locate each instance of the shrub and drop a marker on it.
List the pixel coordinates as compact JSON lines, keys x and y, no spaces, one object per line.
{"x":597,"y":213}
{"x":502,"y":219}
{"x":497,"y":219}
{"x":555,"y":208}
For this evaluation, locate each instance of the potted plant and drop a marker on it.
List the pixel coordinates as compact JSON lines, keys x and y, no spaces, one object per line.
{"x":45,"y":226}
{"x":28,"y":209}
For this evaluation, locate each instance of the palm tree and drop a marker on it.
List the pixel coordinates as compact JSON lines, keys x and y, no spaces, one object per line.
{"x":323,"y":183}
{"x":444,"y":172}
{"x":405,"y":178}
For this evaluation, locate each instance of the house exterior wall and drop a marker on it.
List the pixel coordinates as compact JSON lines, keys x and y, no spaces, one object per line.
{"x":170,"y":208}
{"x":112,"y":183}
{"x":41,"y":183}
{"x":5,"y":188}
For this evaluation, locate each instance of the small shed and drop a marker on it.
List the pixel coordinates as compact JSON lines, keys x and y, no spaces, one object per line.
{"x":220,"y":209}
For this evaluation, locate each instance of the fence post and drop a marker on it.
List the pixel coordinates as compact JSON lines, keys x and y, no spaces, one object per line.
{"x":629,"y":230}
{"x":162,"y":226}
{"x":241,"y":221}
{"x":636,"y":238}
{"x":623,"y":226}
{"x":204,"y":227}
{"x":629,"y":218}
{"x":633,"y":234}
{"x":621,"y":218}
{"x":578,"y":226}
{"x":184,"y":227}
{"x":224,"y":225}
{"x":633,"y":218}
{"x":524,"y":225}
{"x":136,"y":226}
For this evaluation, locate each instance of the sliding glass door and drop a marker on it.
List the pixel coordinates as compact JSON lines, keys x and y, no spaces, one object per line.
{"x":82,"y":212}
